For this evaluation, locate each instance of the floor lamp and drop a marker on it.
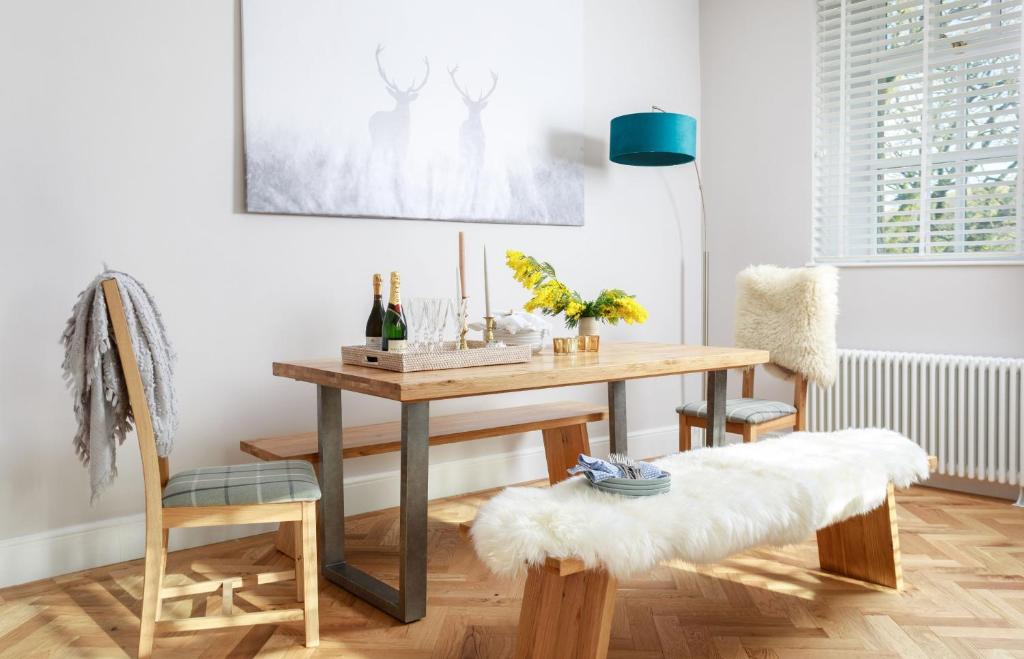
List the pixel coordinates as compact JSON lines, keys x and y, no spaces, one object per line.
{"x":660,"y":139}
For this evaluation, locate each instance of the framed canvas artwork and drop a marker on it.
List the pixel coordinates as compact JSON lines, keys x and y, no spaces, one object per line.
{"x":441,"y":109}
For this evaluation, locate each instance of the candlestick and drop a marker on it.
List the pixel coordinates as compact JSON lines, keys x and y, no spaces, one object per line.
{"x":463,"y":323}
{"x":488,"y":330}
{"x":462,"y":264}
{"x":487,"y":288}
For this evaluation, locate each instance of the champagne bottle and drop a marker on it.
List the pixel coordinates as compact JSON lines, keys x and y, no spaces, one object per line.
{"x":375,"y":323}
{"x":395,"y":331}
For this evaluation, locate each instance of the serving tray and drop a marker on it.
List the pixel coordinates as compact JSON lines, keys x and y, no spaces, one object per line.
{"x":478,"y":354}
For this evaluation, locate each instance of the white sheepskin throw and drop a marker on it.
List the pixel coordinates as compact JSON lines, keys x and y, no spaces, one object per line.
{"x":791,"y":313}
{"x":723,"y":501}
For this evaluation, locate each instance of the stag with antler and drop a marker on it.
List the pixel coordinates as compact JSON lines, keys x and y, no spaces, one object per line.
{"x":389,"y":129}
{"x":472,"y":140}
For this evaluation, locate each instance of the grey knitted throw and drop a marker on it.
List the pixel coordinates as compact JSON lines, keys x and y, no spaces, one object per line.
{"x":92,"y":372}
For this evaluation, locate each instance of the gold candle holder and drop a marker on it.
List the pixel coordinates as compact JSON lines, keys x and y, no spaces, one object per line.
{"x":565,"y":345}
{"x":488,"y":330}
{"x":589,"y":343}
{"x":463,"y":323}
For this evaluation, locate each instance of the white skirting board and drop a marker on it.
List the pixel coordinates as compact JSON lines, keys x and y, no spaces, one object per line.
{"x":975,"y":486}
{"x":80,"y":547}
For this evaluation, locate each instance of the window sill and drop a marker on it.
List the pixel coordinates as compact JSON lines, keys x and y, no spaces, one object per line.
{"x":931,"y":263}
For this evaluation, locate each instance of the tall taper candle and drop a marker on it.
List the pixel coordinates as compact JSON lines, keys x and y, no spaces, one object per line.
{"x":462,"y":264}
{"x":458,"y":286}
{"x":487,"y":287}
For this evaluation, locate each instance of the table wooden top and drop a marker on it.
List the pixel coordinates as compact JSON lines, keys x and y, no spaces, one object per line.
{"x":615,"y":361}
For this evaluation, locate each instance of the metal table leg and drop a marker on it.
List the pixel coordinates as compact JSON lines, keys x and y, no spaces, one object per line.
{"x":332,"y":493}
{"x":617,"y":417}
{"x":412,"y":595}
{"x":716,"y":408}
{"x":409,"y":602}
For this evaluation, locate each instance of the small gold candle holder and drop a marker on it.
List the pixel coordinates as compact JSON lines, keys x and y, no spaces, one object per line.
{"x":463,"y":323}
{"x":589,"y":343}
{"x":565,"y":345}
{"x":488,"y":330}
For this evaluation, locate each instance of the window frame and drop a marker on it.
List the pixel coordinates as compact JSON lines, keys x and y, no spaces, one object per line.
{"x":926,"y":203}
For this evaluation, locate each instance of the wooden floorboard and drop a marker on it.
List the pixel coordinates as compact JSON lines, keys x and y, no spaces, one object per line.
{"x":963,"y":558}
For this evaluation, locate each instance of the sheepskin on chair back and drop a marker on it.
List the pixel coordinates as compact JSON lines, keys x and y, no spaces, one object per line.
{"x":791,"y":313}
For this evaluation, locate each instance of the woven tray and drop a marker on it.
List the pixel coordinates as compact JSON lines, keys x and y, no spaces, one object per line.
{"x":404,"y":362}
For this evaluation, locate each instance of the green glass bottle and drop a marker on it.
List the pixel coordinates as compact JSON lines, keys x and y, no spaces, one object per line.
{"x":375,"y":323}
{"x":396,"y":331}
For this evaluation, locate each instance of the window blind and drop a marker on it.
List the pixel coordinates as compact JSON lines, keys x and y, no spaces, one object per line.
{"x":917,"y":137}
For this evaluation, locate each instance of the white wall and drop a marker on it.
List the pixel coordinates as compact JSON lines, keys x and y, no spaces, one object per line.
{"x":757,"y":104}
{"x":120,"y":134}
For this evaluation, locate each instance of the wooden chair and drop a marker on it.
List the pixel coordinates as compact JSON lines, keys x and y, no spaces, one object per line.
{"x":169,"y":507}
{"x":791,"y":313}
{"x":748,"y":416}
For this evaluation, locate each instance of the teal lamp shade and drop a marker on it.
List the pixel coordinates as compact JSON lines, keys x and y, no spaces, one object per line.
{"x":653,"y":139}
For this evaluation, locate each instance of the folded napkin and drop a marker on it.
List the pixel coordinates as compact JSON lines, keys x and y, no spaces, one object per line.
{"x":515,"y":322}
{"x":598,"y":470}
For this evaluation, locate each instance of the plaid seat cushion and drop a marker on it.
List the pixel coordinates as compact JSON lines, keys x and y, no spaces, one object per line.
{"x":742,"y":410}
{"x":261,"y":482}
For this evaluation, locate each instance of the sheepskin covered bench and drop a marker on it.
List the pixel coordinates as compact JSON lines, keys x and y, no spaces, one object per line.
{"x":576,"y":542}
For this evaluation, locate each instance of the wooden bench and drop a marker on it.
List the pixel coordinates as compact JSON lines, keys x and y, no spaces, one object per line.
{"x":567,"y":609}
{"x":563,"y":425}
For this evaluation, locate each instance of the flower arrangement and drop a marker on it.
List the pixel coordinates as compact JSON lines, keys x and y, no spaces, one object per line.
{"x":552,"y":297}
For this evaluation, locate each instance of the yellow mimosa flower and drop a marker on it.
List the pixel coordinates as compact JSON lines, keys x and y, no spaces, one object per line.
{"x":551,"y":296}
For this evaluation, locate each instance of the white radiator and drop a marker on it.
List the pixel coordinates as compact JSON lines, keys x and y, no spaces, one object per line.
{"x":965,"y":410}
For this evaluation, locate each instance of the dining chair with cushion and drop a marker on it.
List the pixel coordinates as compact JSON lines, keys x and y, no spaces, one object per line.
{"x":213,"y":496}
{"x":791,"y":313}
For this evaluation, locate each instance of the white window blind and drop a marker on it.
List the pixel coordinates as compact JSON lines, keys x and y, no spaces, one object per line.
{"x":917,"y":144}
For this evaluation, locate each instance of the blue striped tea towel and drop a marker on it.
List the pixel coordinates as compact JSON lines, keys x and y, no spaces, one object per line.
{"x":598,"y":470}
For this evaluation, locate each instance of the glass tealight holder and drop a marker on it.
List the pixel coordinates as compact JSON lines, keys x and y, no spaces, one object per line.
{"x":565,"y":345}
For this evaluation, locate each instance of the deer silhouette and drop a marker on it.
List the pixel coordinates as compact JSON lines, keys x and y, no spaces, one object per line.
{"x":472,"y":139}
{"x":389,"y":129}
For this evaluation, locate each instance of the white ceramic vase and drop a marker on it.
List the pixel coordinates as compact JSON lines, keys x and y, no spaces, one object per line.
{"x":589,"y":326}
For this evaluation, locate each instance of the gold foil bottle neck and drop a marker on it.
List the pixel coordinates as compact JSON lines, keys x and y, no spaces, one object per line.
{"x":396,"y":284}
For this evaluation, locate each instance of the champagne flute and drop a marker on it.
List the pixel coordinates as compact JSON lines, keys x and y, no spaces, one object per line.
{"x":417,"y":317}
{"x":442,"y":312}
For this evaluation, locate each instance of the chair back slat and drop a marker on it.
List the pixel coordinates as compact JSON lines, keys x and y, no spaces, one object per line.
{"x":748,"y":382}
{"x":800,"y":402}
{"x":154,"y":468}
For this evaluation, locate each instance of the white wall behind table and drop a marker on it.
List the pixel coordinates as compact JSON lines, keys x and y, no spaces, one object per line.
{"x":122,"y":144}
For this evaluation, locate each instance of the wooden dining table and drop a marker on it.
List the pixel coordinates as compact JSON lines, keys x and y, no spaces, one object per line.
{"x":614,"y":365}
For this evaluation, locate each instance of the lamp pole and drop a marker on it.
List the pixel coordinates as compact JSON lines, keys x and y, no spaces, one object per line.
{"x":705,"y":262}
{"x":705,"y":278}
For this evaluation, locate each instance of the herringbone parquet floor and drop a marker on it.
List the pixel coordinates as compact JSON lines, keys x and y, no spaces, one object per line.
{"x":963,"y":558}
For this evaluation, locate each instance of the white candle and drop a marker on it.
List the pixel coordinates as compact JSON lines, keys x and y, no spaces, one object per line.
{"x":487,"y":287}
{"x":458,"y":285}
